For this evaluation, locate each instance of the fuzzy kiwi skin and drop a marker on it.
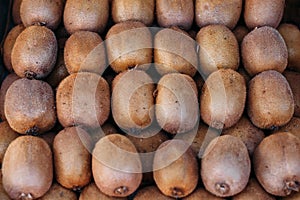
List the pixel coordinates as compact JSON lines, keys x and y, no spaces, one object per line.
{"x":270,"y":100}
{"x":218,"y":12}
{"x":276,"y":163}
{"x":218,"y":49}
{"x":34,"y":52}
{"x":27,"y":168}
{"x":175,"y":13}
{"x":3,"y":194}
{"x":263,"y":13}
{"x":201,"y":193}
{"x":9,"y":43}
{"x":133,"y":10}
{"x":121,"y":176}
{"x":225,"y":166}
{"x":7,"y":135}
{"x":150,"y":192}
{"x":81,"y":15}
{"x":29,"y":106}
{"x":293,"y":79}
{"x":57,"y":192}
{"x":264,"y":49}
{"x":293,"y":127}
{"x":42,"y":12}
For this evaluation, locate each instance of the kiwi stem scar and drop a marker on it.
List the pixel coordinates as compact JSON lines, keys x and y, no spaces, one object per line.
{"x":291,"y":186}
{"x":121,"y":190}
{"x":176,"y":192}
{"x":223,"y":188}
{"x":24,"y":196}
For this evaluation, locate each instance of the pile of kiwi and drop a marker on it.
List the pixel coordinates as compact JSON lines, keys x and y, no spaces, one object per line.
{"x":151,"y":99}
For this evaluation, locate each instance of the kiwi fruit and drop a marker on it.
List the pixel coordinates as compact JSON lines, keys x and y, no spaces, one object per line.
{"x":7,"y":135}
{"x":34,"y":52}
{"x":293,"y":79}
{"x":49,"y":138}
{"x":263,"y":13}
{"x":223,"y":98}
{"x":264,"y":49}
{"x":9,"y":79}
{"x":176,"y":103}
{"x":136,"y":111}
{"x":218,"y":12}
{"x":16,"y":11}
{"x":175,"y":13}
{"x":170,"y":56}
{"x":133,"y":10}
{"x":276,"y":163}
{"x":84,"y":51}
{"x":92,"y":192}
{"x":3,"y":194}
{"x":82,"y":15}
{"x":270,"y":100}
{"x":8,"y":45}
{"x":253,"y":191}
{"x":83,"y":99}
{"x":250,"y":134}
{"x":218,"y":49}
{"x":27,"y":168}
{"x":293,"y":127}
{"x":121,"y":176}
{"x":57,"y":192}
{"x":122,"y":56}
{"x":72,"y":158}
{"x":225,"y":166}
{"x":201,"y":193}
{"x":42,"y":12}
{"x":240,"y":32}
{"x":29,"y":106}
{"x":150,"y":192}
{"x":106,"y":129}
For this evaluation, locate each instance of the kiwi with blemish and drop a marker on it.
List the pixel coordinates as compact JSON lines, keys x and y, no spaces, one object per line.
{"x":150,"y":192}
{"x":57,"y":192}
{"x":201,"y":193}
{"x":7,"y":135}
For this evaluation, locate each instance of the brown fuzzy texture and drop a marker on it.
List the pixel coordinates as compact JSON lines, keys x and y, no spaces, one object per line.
{"x":27,"y":168}
{"x":3,"y":194}
{"x":175,"y":13}
{"x":29,"y":106}
{"x":270,"y":100}
{"x":7,"y":135}
{"x":57,"y":192}
{"x":276,"y":163}
{"x":264,"y":49}
{"x":200,"y":194}
{"x":150,"y":192}
{"x":225,"y":166}
{"x":240,"y":32}
{"x":16,"y":11}
{"x":82,"y":15}
{"x":293,"y":127}
{"x":293,"y":79}
{"x":218,"y":12}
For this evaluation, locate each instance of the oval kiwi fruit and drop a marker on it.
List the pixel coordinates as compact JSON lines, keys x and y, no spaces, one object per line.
{"x":276,"y":163}
{"x":27,"y":168}
{"x":201,"y":193}
{"x":7,"y":135}
{"x":29,"y":106}
{"x":225,"y":166}
{"x":293,"y":79}
{"x":57,"y":192}
{"x":293,"y":127}
{"x":150,"y":192}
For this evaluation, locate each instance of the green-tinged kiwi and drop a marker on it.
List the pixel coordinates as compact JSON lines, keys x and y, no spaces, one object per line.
{"x":121,"y":176}
{"x":84,"y":51}
{"x":293,"y":127}
{"x":82,"y":15}
{"x":72,"y":160}
{"x":170,"y":56}
{"x":176,"y":103}
{"x":218,"y":12}
{"x":133,"y":10}
{"x":200,"y":194}
{"x":132,"y":100}
{"x":34,"y":52}
{"x":3,"y":194}
{"x":57,"y":192}
{"x":42,"y":12}
{"x":27,"y":168}
{"x":7,"y":135}
{"x":225,"y":166}
{"x":9,"y":43}
{"x":276,"y":163}
{"x":83,"y":99}
{"x":264,"y":49}
{"x":16,"y":11}
{"x":150,"y":192}
{"x":293,"y":79}
{"x":223,"y":98}
{"x":175,"y":13}
{"x":122,"y":56}
{"x":240,"y":32}
{"x":270,"y":100}
{"x":29,"y":106}
{"x":218,"y":49}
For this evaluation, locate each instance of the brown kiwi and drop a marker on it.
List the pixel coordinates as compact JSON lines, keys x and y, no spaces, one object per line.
{"x":218,"y":48}
{"x":57,"y":192}
{"x":29,"y":106}
{"x":133,"y":10}
{"x":150,"y":192}
{"x":27,"y":168}
{"x":264,"y":49}
{"x":83,"y":99}
{"x":295,"y":196}
{"x":81,"y":15}
{"x":200,"y":194}
{"x":225,"y":166}
{"x":34,"y":52}
{"x":106,"y":129}
{"x":7,"y":135}
{"x":270,"y":100}
{"x":293,"y":79}
{"x":218,"y":12}
{"x":42,"y":12}
{"x":121,"y":176}
{"x":293,"y":127}
{"x":16,"y":11}
{"x":49,"y":138}
{"x":223,"y":98}
{"x":276,"y":163}
{"x":84,"y":51}
{"x":244,"y":73}
{"x":72,"y":158}
{"x":240,"y":32}
{"x":122,"y":56}
{"x":3,"y":194}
